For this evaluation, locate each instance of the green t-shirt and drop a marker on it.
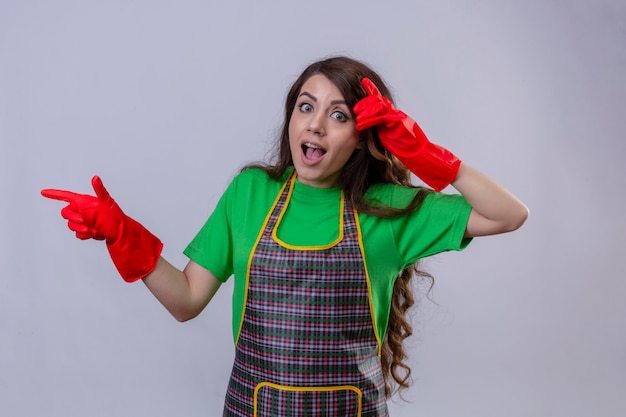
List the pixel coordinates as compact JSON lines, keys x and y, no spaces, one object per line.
{"x":224,"y":243}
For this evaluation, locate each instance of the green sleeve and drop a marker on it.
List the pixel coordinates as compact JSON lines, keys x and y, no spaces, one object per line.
{"x":437,"y":226}
{"x":212,"y":247}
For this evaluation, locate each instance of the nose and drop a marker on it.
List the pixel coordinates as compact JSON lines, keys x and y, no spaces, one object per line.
{"x":316,"y":124}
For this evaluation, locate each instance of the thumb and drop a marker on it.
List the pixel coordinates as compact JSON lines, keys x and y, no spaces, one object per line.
{"x":98,"y":187}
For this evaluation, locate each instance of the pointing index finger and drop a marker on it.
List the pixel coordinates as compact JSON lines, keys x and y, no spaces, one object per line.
{"x":370,"y":87}
{"x":61,"y":195}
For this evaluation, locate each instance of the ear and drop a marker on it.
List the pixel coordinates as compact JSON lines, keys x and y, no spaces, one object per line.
{"x":361,"y":141}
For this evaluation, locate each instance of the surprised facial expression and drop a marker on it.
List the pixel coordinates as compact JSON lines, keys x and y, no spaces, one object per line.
{"x":322,"y":133}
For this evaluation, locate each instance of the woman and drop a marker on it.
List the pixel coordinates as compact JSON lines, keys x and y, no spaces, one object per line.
{"x":322,"y":242}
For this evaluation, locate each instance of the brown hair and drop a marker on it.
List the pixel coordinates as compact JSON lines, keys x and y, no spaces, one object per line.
{"x":372,"y":164}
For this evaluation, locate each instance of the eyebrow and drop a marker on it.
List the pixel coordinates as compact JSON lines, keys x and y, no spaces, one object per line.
{"x":312,"y":97}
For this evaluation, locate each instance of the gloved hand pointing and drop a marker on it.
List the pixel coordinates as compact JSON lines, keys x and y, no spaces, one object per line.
{"x":90,"y":217}
{"x":133,"y":249}
{"x":403,"y":137}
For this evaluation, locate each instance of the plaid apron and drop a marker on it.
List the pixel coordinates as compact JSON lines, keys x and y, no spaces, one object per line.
{"x":307,"y":345}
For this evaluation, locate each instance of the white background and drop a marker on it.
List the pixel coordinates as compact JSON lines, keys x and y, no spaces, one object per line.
{"x":165,"y":100}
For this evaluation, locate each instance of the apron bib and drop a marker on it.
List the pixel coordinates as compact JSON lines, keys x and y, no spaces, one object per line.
{"x":307,"y":345}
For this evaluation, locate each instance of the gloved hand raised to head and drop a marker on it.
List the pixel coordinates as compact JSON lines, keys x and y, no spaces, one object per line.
{"x":134,"y":250}
{"x":403,"y":137}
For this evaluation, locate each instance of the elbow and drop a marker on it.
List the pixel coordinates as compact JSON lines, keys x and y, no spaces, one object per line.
{"x":182,"y":319}
{"x":518,"y":218}
{"x":183,"y":316}
{"x":509,"y":220}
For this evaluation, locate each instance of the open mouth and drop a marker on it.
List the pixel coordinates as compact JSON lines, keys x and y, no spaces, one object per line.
{"x":312,"y":152}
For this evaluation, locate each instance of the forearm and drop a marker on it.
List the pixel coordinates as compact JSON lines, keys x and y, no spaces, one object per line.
{"x":494,"y":209}
{"x":183,"y":293}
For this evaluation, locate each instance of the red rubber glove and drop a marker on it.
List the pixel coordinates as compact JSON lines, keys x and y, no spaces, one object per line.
{"x":133,"y":249}
{"x":402,"y":136}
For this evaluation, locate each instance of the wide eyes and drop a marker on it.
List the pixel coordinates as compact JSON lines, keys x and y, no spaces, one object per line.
{"x":338,"y":115}
{"x":305,"y":107}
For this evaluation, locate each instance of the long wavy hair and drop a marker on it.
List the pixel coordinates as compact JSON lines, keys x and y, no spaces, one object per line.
{"x":370,"y":165}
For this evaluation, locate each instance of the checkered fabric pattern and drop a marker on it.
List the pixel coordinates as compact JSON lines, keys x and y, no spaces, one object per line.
{"x":307,"y":327}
